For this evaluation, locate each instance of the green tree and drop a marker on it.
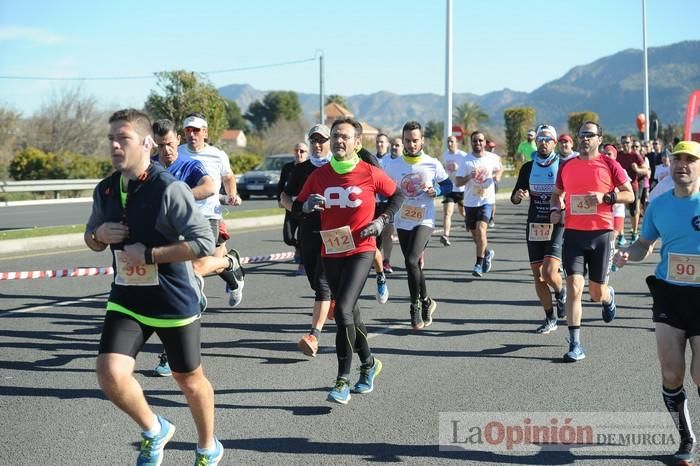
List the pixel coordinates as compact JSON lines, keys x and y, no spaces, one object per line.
{"x":277,"y":105}
{"x":469,"y":116}
{"x":434,"y":129}
{"x":577,"y":119}
{"x":9,"y":130}
{"x":338,"y":99}
{"x":234,"y":118}
{"x":183,"y":92}
{"x":517,"y":121}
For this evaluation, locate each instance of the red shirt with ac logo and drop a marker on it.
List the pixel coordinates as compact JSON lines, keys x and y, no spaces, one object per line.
{"x":349,"y":202}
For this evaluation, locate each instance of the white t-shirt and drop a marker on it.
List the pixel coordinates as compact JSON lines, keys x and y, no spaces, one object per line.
{"x":216,"y":164}
{"x":480,"y":189}
{"x":662,"y":171}
{"x":664,"y":185}
{"x":413,"y":179}
{"x":452,"y":163}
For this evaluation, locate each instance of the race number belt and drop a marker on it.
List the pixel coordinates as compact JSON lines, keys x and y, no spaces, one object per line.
{"x":414,"y":214}
{"x":582,"y":204}
{"x":338,"y":240}
{"x":142,"y":275}
{"x":683,"y":268}
{"x":540,"y":231}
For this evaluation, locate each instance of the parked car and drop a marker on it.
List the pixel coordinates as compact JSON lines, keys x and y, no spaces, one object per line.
{"x":263,"y":179}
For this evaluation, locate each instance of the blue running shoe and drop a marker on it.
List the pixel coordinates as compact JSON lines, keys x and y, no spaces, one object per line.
{"x":686,"y":454}
{"x":610,"y":308}
{"x":340,"y":393}
{"x":575,"y":352}
{"x":163,"y":368}
{"x":151,"y":453}
{"x":488,"y":260}
{"x":367,"y":375}
{"x":382,"y":289}
{"x":209,"y":457}
{"x":477,"y":272}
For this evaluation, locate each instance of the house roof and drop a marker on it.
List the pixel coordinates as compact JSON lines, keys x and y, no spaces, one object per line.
{"x":231,"y":134}
{"x":334,"y":110}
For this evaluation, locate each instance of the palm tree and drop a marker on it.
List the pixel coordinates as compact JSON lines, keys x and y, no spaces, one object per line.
{"x":469,"y":115}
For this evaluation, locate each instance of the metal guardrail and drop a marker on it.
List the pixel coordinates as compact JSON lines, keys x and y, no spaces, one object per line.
{"x":47,"y":185}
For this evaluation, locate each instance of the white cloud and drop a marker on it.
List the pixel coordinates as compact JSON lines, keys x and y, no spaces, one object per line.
{"x":35,"y":35}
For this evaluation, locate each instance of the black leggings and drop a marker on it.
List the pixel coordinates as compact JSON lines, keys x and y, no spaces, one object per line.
{"x":346,"y":277}
{"x":413,"y":243}
{"x":311,"y":258}
{"x":289,"y":229}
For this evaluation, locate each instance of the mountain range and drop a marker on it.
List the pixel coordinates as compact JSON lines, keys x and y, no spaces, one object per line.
{"x":610,"y":86}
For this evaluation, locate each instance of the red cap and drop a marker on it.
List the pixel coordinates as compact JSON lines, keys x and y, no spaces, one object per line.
{"x":566,"y":137}
{"x":610,"y":148}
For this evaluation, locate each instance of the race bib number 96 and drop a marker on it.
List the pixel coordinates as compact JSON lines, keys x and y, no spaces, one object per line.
{"x":142,"y":275}
{"x":338,"y":240}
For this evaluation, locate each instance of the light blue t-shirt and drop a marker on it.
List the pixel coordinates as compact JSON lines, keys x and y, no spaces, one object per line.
{"x":677,"y":222}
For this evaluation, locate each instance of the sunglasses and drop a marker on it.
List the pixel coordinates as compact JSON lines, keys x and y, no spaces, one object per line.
{"x":544,"y":139}
{"x":190,"y":129}
{"x":587,"y":134}
{"x":301,"y":151}
{"x":318,"y":140}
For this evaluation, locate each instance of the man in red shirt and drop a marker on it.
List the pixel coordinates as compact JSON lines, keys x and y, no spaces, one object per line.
{"x":344,"y":192}
{"x":587,"y":187}
{"x":633,"y":163}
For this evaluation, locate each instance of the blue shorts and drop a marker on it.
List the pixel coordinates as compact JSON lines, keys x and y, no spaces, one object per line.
{"x":477,"y":214}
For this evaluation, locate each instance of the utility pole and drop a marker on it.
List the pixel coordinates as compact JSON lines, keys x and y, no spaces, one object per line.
{"x":448,"y":72}
{"x":646,"y":71}
{"x":322,"y":108}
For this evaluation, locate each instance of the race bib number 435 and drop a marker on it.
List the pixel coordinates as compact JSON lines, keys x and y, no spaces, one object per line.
{"x":142,"y":275}
{"x":338,"y":240}
{"x":583,"y":204}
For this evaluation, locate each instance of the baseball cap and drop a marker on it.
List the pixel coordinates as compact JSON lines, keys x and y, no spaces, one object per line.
{"x":194,"y":122}
{"x":691,"y":148}
{"x":547,"y":130}
{"x":610,"y":148}
{"x":566,"y":137}
{"x":320,"y":129}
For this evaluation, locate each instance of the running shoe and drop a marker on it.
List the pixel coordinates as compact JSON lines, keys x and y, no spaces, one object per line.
{"x":428,"y":306}
{"x":546,"y":327}
{"x":387,"y":267}
{"x":416,"y":318}
{"x":202,"y":297}
{"x":561,"y":303}
{"x":635,"y":236}
{"x":492,"y":224}
{"x":163,"y":368}
{"x":301,"y":270}
{"x":367,"y":375}
{"x":488,"y":260}
{"x":445,"y":240}
{"x":575,"y":352}
{"x":382,"y":289}
{"x":340,"y":393}
{"x":686,"y":454}
{"x":609,"y":308}
{"x":235,"y":296}
{"x":477,"y":272}
{"x":621,"y":241}
{"x":209,"y":457}
{"x":308,"y":344}
{"x":151,"y":450}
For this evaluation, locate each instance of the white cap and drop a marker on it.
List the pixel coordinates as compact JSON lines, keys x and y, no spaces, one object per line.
{"x":194,"y":122}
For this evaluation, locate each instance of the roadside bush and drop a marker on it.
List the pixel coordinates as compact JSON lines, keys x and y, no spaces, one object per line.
{"x":241,"y":163}
{"x":34,"y":164}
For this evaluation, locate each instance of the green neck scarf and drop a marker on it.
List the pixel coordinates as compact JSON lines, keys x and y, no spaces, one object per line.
{"x":344,"y":166}
{"x":122,"y":193}
{"x":412,"y":159}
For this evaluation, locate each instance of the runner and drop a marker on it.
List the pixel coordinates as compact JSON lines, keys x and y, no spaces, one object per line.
{"x":587,"y":188}
{"x":634,"y":164}
{"x":153,"y":229}
{"x":309,"y":237}
{"x":218,"y":166}
{"x":480,"y":171}
{"x":344,"y":192}
{"x":618,"y":208}
{"x":453,"y":158}
{"x":674,"y":218}
{"x":544,"y":240}
{"x":566,"y":148}
{"x":420,"y":178}
{"x":291,"y":223}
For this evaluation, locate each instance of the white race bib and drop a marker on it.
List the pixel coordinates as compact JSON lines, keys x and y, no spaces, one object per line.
{"x":583,"y":204}
{"x":683,"y":268}
{"x":410,"y":213}
{"x":142,"y":275}
{"x":338,"y":240}
{"x":540,"y":231}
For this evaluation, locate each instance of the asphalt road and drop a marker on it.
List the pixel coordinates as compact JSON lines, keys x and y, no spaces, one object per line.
{"x":480,"y":355}
{"x":45,"y":215}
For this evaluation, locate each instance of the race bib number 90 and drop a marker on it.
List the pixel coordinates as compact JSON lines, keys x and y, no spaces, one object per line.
{"x":338,"y":240}
{"x":540,"y":232}
{"x":142,"y":275}
{"x":683,"y":268}
{"x":412,"y":213}
{"x":583,"y":204}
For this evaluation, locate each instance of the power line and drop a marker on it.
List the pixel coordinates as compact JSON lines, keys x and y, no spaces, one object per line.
{"x":151,"y":76}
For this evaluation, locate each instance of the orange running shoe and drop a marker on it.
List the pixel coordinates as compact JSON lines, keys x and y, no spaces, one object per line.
{"x":308,"y":344}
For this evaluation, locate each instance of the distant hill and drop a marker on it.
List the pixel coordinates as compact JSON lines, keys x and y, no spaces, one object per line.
{"x":610,"y":86}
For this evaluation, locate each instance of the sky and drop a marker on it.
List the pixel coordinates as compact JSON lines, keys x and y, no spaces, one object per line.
{"x":368,"y":45}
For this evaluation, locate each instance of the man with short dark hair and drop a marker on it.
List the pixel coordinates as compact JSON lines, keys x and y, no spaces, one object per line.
{"x":587,"y":187}
{"x":674,"y":218}
{"x":153,"y":229}
{"x":452,"y":158}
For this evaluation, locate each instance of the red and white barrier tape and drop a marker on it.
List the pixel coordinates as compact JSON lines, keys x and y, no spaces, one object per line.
{"x":93,"y":271}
